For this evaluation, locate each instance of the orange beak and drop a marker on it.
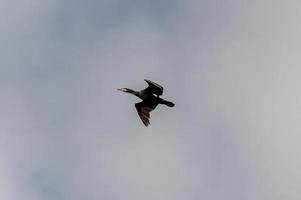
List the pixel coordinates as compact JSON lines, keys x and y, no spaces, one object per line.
{"x":122,"y":89}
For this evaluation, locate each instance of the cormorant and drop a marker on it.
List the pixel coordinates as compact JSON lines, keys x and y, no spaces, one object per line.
{"x":150,"y":100}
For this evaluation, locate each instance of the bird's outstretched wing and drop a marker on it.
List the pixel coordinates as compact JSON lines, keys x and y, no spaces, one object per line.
{"x":143,"y":110}
{"x":154,"y":88}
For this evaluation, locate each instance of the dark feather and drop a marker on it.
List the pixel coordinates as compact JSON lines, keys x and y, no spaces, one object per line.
{"x":144,"y":109}
{"x":154,"y":88}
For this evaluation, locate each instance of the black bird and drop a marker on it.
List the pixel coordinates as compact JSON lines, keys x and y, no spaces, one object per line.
{"x":150,"y":100}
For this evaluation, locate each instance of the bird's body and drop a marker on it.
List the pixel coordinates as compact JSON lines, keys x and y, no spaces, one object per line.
{"x":150,"y":99}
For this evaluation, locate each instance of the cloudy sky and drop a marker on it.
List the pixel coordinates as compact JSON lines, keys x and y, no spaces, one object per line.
{"x":232,"y":67}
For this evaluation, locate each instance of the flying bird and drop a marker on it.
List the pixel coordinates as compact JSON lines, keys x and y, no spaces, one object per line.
{"x":150,"y":100}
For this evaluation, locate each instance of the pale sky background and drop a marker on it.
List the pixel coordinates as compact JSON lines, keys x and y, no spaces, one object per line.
{"x":232,"y":67}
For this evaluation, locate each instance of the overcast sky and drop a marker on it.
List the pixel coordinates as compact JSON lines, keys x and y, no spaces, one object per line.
{"x":232,"y":68}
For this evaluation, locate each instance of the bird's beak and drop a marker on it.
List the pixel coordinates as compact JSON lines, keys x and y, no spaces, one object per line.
{"x":122,"y":89}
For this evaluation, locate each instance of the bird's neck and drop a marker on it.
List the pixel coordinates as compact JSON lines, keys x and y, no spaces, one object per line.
{"x":132,"y":92}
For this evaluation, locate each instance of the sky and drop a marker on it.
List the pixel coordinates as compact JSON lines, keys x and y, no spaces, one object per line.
{"x":231,"y":67}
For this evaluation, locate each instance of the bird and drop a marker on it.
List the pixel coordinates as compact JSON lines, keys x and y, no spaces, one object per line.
{"x":150,"y":99}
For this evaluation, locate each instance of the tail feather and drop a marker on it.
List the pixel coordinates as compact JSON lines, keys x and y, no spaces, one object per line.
{"x":168,"y":103}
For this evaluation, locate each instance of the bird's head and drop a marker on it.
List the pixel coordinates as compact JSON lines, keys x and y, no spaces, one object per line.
{"x":123,"y":89}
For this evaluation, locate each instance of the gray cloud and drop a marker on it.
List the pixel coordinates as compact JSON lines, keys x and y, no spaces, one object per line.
{"x":231,"y":67}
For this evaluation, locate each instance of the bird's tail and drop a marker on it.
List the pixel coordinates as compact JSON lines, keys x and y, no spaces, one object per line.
{"x":168,"y":103}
